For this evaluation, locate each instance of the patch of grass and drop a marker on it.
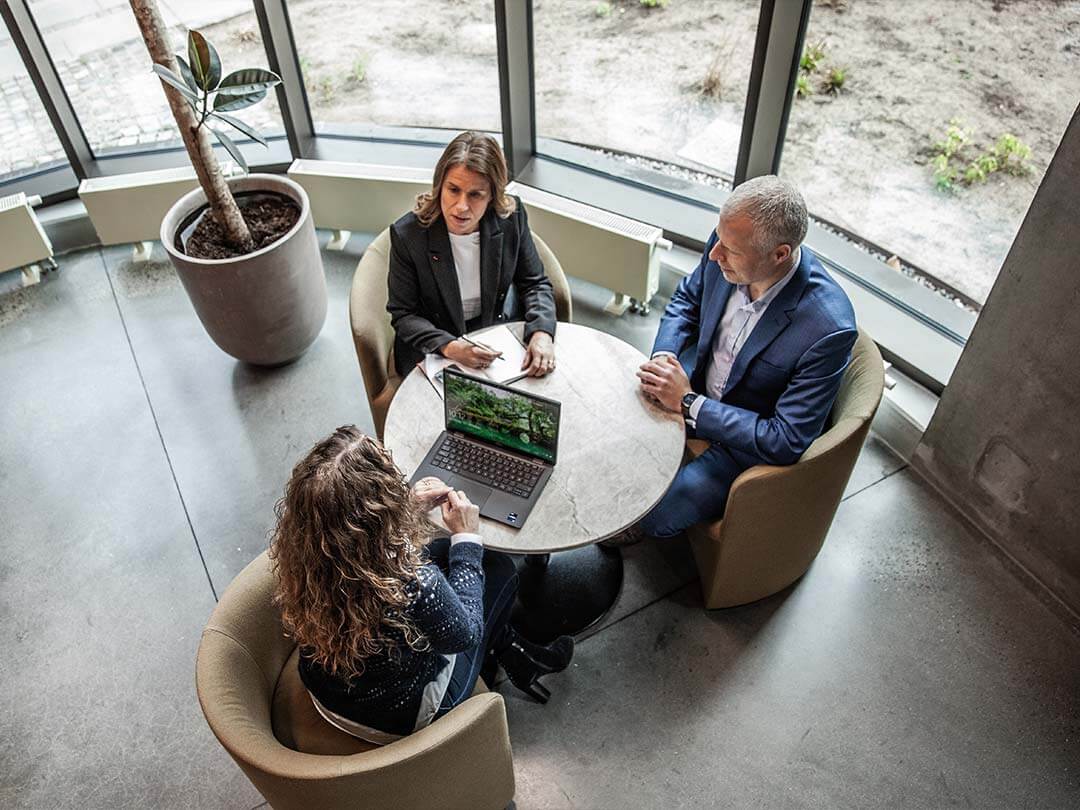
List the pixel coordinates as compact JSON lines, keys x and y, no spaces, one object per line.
{"x":946,"y":153}
{"x":1012,"y":155}
{"x":812,"y":56}
{"x":359,"y":69}
{"x":654,"y":3}
{"x":714,"y":84}
{"x":325,"y":88}
{"x":803,"y":87}
{"x":958,"y":159}
{"x":834,"y":80}
{"x":602,"y":10}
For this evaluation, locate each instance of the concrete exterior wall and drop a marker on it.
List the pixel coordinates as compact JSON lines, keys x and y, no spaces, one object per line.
{"x":1004,"y":444}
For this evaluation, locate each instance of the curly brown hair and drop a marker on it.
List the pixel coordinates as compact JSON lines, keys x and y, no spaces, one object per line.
{"x":479,"y":153}
{"x":345,"y":549}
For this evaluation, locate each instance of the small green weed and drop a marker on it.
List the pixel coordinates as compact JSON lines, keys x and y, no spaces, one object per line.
{"x":803,"y":88}
{"x":1011,"y":154}
{"x":957,"y":158}
{"x":654,"y":3}
{"x":359,"y":70}
{"x":602,"y":10}
{"x":718,"y":75}
{"x":813,"y":55}
{"x":326,"y":89}
{"x":835,"y":79}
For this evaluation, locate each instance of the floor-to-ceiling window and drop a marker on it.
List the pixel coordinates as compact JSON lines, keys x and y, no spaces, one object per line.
{"x":663,"y":80}
{"x":398,"y":63}
{"x":925,"y":127}
{"x":28,"y":142}
{"x":105,"y":67}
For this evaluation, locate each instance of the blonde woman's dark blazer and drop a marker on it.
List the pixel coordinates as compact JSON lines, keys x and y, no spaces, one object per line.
{"x":424,"y":297}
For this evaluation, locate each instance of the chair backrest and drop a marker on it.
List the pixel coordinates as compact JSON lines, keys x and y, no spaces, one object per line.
{"x":240,"y":663}
{"x":373,"y":336}
{"x":857,"y":400}
{"x":564,"y":308}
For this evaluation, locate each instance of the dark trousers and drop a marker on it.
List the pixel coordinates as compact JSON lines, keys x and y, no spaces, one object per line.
{"x":500,"y":589}
{"x":697,"y":495}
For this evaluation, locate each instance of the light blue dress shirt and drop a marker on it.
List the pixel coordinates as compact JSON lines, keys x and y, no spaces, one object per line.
{"x":740,"y":317}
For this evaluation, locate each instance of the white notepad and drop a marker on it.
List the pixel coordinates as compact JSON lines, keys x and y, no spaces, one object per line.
{"x":505,"y":369}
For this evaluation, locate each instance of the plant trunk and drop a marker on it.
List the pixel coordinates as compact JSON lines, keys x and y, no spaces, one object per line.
{"x":196,"y":140}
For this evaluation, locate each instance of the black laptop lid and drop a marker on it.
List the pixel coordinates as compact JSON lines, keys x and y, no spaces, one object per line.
{"x":500,"y":415}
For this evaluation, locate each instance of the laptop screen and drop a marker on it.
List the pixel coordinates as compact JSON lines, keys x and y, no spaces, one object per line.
{"x":501,"y":416}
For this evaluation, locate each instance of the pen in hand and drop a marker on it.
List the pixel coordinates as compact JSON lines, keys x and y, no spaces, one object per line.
{"x":478,"y":345}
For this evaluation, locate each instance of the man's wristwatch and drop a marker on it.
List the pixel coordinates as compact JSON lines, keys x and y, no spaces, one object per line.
{"x":688,"y":399}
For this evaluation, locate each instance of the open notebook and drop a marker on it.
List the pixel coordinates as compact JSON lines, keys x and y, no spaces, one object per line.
{"x":506,"y":369}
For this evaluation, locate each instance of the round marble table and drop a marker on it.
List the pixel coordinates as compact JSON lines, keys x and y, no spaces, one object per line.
{"x":617,"y":455}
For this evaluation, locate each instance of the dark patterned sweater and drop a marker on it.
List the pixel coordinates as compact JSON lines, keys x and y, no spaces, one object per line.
{"x":448,"y":610}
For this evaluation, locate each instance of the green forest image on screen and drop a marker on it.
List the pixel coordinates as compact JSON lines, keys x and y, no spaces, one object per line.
{"x":514,"y":421}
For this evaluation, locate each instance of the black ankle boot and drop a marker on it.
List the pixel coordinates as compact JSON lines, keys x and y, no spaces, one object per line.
{"x":524,"y":662}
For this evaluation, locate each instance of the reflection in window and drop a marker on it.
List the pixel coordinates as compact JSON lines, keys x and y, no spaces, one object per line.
{"x":870,"y":141}
{"x":27,"y":139}
{"x":667,"y":82}
{"x":417,"y":63}
{"x":105,"y":67}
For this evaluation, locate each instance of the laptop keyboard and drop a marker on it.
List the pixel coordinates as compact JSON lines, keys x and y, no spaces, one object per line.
{"x":489,"y":467}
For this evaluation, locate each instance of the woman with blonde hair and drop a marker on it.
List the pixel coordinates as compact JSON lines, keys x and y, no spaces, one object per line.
{"x":463,"y":259}
{"x":392,"y":634}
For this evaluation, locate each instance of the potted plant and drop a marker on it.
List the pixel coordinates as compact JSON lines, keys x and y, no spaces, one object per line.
{"x":245,"y":248}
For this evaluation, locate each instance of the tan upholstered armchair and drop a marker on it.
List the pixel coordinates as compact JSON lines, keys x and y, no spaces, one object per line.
{"x":373,"y":336}
{"x":256,"y":705}
{"x":777,"y":517}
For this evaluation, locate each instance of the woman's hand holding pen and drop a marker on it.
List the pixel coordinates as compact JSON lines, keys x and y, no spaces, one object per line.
{"x":472,"y":355}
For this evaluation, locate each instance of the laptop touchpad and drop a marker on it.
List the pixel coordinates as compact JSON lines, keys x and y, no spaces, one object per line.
{"x":477,"y":493}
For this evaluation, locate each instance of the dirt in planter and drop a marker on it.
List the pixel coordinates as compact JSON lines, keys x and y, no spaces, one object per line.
{"x":268,"y":215}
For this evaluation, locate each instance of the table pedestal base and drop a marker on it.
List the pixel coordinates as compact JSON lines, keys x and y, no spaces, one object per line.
{"x":566,"y":592}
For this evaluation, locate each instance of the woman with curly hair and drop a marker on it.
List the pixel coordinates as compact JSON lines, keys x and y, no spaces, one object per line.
{"x":463,"y":259}
{"x":392,"y":633}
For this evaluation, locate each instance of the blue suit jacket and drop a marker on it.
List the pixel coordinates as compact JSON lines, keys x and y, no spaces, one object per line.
{"x":786,"y":375}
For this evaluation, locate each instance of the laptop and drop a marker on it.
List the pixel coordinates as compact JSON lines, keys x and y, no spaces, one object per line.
{"x":499,"y":445}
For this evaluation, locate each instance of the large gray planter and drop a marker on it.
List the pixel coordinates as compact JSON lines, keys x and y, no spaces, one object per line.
{"x":266,"y":307}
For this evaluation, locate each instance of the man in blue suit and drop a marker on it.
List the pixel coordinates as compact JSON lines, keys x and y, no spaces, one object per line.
{"x":751,"y":350}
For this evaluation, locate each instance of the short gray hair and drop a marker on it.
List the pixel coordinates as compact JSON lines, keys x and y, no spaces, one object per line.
{"x":774,"y":206}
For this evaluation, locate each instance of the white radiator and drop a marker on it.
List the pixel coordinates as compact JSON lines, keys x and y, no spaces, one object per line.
{"x":362,"y":197}
{"x":129,"y":207}
{"x":23,"y":242}
{"x":595,"y":245}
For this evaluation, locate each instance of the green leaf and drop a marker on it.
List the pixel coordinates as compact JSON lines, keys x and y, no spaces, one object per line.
{"x":240,"y":125}
{"x":224,"y":103}
{"x":205,"y":63}
{"x":247,"y":81}
{"x":231,"y":148}
{"x":188,"y":76}
{"x":172,"y":79}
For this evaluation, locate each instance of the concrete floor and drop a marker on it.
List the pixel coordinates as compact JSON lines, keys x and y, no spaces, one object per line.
{"x":138,"y":470}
